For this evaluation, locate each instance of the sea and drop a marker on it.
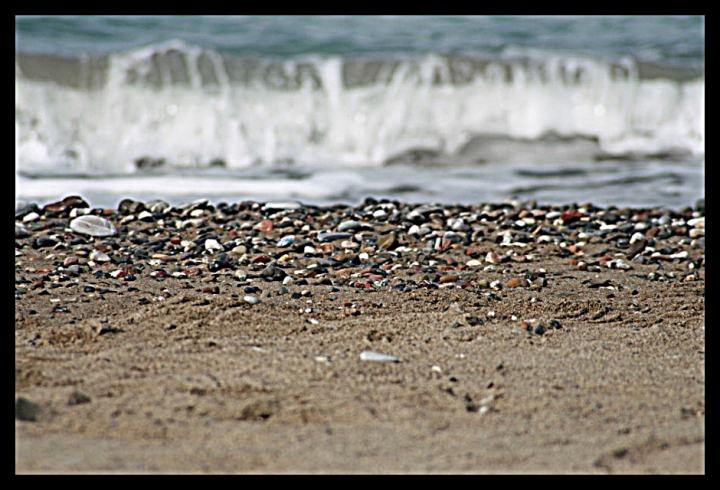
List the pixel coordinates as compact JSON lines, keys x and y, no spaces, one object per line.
{"x":608,"y":110}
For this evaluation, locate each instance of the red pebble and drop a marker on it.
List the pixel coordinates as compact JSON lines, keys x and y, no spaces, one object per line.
{"x":571,"y":216}
{"x":264,"y":225}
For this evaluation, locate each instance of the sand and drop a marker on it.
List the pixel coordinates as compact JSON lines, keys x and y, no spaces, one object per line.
{"x":596,"y":372}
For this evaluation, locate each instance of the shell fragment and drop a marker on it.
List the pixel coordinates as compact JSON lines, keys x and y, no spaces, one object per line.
{"x":93,"y":225}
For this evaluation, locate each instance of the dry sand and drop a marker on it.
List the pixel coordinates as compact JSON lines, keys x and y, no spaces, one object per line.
{"x":169,"y":377}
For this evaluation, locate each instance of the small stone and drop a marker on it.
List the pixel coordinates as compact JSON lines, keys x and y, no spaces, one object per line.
{"x":21,"y":231}
{"x":377,"y":357}
{"x":239,"y":250}
{"x":697,"y":222}
{"x":349,"y":244}
{"x":78,"y":398}
{"x":272,"y":273}
{"x":70,"y":261}
{"x":513,"y":283}
{"x":281,"y":206}
{"x":145,"y":216}
{"x":253,"y":300}
{"x":30,"y":217}
{"x":27,"y":410}
{"x":352,"y":225}
{"x":212,"y":244}
{"x":98,"y":256}
{"x":329,"y":236}
{"x":387,"y":242}
{"x":44,"y":242}
{"x":264,"y":225}
{"x":285,"y":241}
{"x":450,"y":278}
{"x":66,"y":204}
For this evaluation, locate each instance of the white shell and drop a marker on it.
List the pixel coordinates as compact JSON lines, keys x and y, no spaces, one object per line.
{"x":369,"y":355}
{"x":93,"y":225}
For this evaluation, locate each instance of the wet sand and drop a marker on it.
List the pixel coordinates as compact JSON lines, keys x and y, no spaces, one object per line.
{"x":545,"y":358}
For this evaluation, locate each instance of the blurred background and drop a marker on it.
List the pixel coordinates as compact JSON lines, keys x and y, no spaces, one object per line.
{"x":333,"y":109}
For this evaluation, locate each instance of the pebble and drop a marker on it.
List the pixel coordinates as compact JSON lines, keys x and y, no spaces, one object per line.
{"x":330,"y":236}
{"x":402,"y":249}
{"x":27,"y":410}
{"x":387,"y":242}
{"x":66,"y":205}
{"x":285,"y":241}
{"x":281,"y":206}
{"x":21,"y":230}
{"x":352,"y":225}
{"x":98,"y":256}
{"x":513,"y":283}
{"x":377,"y":357}
{"x":253,"y":300}
{"x":211,"y":245}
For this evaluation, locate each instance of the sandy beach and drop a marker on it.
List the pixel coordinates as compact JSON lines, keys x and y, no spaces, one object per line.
{"x":386,"y":338}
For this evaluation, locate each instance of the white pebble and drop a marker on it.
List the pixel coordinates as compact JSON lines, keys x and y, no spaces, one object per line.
{"x":377,"y":357}
{"x":98,"y":256}
{"x":212,"y":244}
{"x":30,"y":217}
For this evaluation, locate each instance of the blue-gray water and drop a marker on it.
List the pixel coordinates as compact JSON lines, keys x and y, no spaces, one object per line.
{"x":333,"y":109}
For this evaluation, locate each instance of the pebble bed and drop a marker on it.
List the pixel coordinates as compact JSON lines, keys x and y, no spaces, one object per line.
{"x":378,"y":245}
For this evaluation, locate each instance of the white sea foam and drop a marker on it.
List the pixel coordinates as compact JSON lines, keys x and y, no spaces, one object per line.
{"x":184,"y":106}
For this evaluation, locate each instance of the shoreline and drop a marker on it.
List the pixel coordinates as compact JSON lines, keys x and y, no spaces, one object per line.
{"x":208,"y":338}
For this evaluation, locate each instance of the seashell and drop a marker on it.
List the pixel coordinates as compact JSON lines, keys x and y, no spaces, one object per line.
{"x":369,"y":355}
{"x":93,"y":225}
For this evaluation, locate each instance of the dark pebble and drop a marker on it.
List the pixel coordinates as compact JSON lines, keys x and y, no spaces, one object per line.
{"x":78,"y":398}
{"x":26,"y":410}
{"x":43,"y":242}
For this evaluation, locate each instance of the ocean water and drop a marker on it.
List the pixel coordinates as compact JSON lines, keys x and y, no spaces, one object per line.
{"x":329,"y":109}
